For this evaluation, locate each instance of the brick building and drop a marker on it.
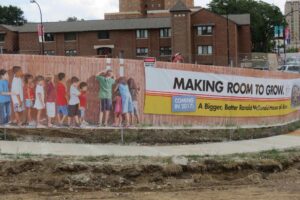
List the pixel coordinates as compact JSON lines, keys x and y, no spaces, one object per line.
{"x":158,"y":28}
{"x":8,"y":39}
{"x":146,"y":5}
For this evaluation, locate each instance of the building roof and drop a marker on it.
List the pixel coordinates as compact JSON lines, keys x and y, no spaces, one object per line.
{"x":118,"y":24}
{"x":10,"y":27}
{"x":98,"y":25}
{"x":240,"y":19}
{"x":179,"y":6}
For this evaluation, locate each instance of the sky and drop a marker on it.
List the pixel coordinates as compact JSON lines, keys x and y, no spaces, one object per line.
{"x":55,"y":10}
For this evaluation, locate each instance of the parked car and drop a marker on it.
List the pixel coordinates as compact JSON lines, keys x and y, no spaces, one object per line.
{"x":289,"y":68}
{"x":264,"y":68}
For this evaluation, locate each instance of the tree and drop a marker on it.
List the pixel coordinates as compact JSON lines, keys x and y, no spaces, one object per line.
{"x":73,"y":19}
{"x":264,"y":17}
{"x":12,"y":15}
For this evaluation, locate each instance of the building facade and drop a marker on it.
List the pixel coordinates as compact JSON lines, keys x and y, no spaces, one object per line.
{"x":9,"y":39}
{"x":292,"y":12}
{"x":198,"y":34}
{"x":147,"y":5}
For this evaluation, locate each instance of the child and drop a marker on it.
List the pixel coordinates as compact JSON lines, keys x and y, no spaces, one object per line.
{"x":134,"y":91}
{"x":83,"y":102}
{"x":4,"y":98}
{"x":50,"y":100}
{"x":61,"y":98}
{"x":39,"y":99}
{"x":73,"y":108}
{"x":106,"y":81}
{"x":29,"y":97}
{"x":118,"y":105}
{"x":17,"y":97}
{"x":127,"y":107}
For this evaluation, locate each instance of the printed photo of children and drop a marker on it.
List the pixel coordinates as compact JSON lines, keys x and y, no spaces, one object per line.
{"x":127,"y":106}
{"x":73,"y":107}
{"x":5,"y":97}
{"x":50,"y":99}
{"x":117,"y":99}
{"x":39,"y":104}
{"x":61,"y":99}
{"x":83,"y":87}
{"x":17,"y":97}
{"x":29,"y":96}
{"x":134,"y":91}
{"x":106,"y":81}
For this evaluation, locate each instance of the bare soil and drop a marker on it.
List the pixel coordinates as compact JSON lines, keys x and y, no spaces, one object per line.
{"x":143,"y":135}
{"x":273,"y":175}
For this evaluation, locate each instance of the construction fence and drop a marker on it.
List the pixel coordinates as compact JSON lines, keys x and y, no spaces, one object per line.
{"x":175,"y":94}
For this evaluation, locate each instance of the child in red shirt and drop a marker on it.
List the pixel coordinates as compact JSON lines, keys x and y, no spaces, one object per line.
{"x":61,"y":99}
{"x":83,"y":102}
{"x":29,"y":94}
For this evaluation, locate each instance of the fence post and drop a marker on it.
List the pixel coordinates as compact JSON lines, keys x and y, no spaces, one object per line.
{"x":122,"y":135}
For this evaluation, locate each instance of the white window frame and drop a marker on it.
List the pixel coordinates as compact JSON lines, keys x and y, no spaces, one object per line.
{"x":200,"y":30}
{"x":164,"y":49}
{"x":71,"y":52}
{"x":142,"y":33}
{"x":205,"y":50}
{"x":145,"y":51}
{"x":162,"y":31}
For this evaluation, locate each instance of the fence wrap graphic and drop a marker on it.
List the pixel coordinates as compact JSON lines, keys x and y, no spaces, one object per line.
{"x":160,"y":104}
{"x":218,"y":95}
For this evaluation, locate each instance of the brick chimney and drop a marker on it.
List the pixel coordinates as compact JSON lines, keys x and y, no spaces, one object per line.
{"x":181,"y":30}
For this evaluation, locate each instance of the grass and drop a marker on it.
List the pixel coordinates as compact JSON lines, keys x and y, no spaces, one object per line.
{"x":145,"y":125}
{"x":272,"y":155}
{"x":275,"y":155}
{"x":25,"y":155}
{"x":187,"y":125}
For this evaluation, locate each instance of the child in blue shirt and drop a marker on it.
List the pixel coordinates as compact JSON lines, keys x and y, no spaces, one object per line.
{"x":127,"y":105}
{"x":4,"y":98}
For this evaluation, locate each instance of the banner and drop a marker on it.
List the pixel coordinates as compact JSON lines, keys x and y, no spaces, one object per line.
{"x":278,"y":31}
{"x":41,"y":33}
{"x":287,"y":36}
{"x":175,"y":92}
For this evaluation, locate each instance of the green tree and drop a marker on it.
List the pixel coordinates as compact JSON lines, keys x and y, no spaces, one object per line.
{"x":11,"y":15}
{"x":74,"y":19}
{"x":264,"y":17}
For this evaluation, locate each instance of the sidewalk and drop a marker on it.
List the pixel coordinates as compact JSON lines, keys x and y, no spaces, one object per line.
{"x":248,"y":146}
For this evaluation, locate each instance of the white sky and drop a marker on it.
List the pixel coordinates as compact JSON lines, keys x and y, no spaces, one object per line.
{"x":54,"y":10}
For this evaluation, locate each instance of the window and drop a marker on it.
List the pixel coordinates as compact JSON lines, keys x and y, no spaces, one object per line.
{"x":49,"y":37}
{"x":143,"y":33}
{"x":165,"y":32}
{"x":103,"y":35}
{"x":70,"y":36}
{"x":165,"y":51}
{"x":2,"y":37}
{"x":49,"y":52}
{"x":142,"y":52}
{"x":205,"y":30}
{"x":71,"y":52}
{"x":205,"y":50}
{"x":294,"y":69}
{"x":105,"y":51}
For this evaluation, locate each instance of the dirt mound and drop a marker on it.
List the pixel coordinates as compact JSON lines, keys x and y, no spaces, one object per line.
{"x":60,"y":174}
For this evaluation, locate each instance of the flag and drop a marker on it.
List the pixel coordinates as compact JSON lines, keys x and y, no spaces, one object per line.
{"x":41,"y":33}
